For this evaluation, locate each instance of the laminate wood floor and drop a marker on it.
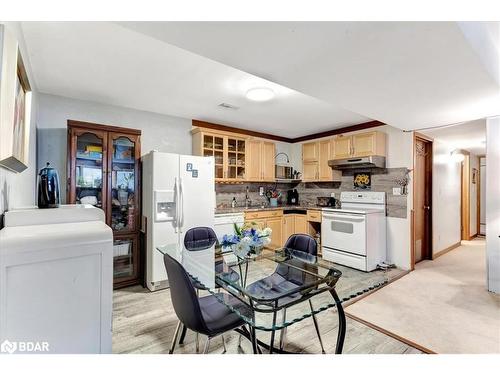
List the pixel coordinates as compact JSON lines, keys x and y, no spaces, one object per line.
{"x":144,"y":322}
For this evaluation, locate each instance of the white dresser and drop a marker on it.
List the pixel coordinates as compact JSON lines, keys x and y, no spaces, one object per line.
{"x":56,"y":280}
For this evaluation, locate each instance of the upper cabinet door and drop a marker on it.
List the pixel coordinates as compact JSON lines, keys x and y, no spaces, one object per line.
{"x":254,"y":160}
{"x":310,"y":151}
{"x":310,"y":171}
{"x":342,"y":147}
{"x":369,"y":143}
{"x":236,"y":151}
{"x":364,"y":144}
{"x":268,"y":153}
{"x":325,"y":154}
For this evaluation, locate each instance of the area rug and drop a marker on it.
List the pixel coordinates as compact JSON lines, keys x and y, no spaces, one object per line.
{"x":441,"y":307}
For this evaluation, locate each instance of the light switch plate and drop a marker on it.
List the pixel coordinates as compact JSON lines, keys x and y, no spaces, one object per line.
{"x":396,"y":191}
{"x":261,"y":190}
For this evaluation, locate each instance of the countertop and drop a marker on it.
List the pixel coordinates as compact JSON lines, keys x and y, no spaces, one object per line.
{"x":240,"y":210}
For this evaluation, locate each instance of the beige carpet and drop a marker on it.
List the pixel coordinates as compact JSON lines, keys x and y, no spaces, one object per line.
{"x":442,"y":306}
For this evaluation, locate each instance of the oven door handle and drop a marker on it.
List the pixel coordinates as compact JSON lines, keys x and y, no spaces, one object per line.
{"x":345,"y":217}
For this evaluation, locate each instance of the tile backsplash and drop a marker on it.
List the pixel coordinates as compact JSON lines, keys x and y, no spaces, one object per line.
{"x":382,"y":180}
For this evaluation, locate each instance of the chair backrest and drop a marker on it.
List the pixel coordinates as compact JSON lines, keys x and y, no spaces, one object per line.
{"x":186,"y":304}
{"x":199,"y":238}
{"x":303,"y":243}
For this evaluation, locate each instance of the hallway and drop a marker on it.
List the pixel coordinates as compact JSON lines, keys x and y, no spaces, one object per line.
{"x":442,"y":306}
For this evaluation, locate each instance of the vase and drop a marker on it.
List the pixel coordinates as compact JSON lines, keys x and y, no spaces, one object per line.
{"x":123,"y":197}
{"x":273,"y":202}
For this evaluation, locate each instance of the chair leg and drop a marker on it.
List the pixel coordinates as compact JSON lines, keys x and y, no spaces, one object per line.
{"x":223,"y":344}
{"x":316,"y":326}
{"x":183,"y":335}
{"x":283,"y":331}
{"x":174,"y":340}
{"x":207,"y":345}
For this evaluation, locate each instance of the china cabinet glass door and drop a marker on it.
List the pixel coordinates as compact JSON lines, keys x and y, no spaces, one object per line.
{"x":88,"y":184}
{"x":123,"y":206}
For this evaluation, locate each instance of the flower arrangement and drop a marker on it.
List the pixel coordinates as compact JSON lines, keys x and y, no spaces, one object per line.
{"x":247,"y":239}
{"x":403,"y":182}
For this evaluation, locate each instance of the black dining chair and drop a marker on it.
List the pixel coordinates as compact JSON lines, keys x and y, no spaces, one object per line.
{"x":197,"y":239}
{"x":288,"y":278}
{"x":205,"y":315}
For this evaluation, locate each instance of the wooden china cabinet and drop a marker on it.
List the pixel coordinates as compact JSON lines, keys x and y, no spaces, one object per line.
{"x":103,"y":170}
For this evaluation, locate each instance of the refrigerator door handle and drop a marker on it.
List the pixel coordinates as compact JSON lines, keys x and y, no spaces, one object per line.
{"x":176,"y":197}
{"x":181,"y":209}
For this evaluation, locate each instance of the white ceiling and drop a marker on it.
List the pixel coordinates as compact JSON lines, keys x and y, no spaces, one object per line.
{"x":107,"y":63}
{"x":470,"y":136}
{"x":407,"y":74}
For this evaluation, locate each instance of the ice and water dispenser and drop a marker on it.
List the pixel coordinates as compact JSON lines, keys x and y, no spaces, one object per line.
{"x":165,"y":206}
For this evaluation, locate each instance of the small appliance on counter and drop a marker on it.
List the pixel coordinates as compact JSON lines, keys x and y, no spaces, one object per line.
{"x":325,"y":201}
{"x":292,"y":197}
{"x":48,"y":187}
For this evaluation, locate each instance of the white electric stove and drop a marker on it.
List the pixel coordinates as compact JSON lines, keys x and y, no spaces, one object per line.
{"x":355,"y":234}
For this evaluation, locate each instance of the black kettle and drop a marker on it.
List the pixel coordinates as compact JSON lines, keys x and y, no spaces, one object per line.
{"x":48,"y":187}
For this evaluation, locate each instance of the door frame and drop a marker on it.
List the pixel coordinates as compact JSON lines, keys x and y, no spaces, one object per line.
{"x":478,"y":196}
{"x":465,"y":181}
{"x":429,"y":165}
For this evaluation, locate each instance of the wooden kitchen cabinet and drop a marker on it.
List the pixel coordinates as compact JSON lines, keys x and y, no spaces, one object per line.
{"x":277,"y":231}
{"x":229,"y":152}
{"x":260,"y":161}
{"x":294,"y":224}
{"x":268,"y":218}
{"x":359,"y":145}
{"x":310,"y":151}
{"x":315,"y":162}
{"x":342,"y":146}
{"x":369,"y":143}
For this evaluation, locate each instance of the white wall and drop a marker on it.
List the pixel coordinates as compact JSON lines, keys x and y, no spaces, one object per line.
{"x":474,"y":191}
{"x":446,"y":196}
{"x":160,"y":132}
{"x":18,"y":189}
{"x":493,"y":203}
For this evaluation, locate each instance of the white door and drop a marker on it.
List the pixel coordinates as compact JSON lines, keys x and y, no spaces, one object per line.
{"x":165,"y":183}
{"x":346,"y":232}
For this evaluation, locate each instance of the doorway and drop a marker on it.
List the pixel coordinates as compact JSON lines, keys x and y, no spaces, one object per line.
{"x":482,"y":196}
{"x":422,"y":199}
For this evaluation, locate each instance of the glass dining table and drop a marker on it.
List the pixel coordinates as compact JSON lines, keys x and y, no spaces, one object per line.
{"x":276,"y":289}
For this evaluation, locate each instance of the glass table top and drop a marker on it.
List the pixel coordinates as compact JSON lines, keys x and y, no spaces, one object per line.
{"x":276,"y":288}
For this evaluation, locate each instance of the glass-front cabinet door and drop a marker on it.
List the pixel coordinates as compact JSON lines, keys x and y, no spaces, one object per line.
{"x":235,"y":159}
{"x":213,"y":145}
{"x":87,"y":168}
{"x":123,"y":206}
{"x":123,"y":180}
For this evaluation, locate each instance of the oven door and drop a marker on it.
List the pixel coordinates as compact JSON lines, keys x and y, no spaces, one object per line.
{"x":343,"y":231}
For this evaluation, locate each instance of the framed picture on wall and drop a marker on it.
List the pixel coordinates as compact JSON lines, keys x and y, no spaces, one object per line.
{"x":15,"y":105}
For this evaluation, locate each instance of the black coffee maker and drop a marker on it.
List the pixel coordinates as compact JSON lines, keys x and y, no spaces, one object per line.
{"x":292,"y":197}
{"x":48,"y":188}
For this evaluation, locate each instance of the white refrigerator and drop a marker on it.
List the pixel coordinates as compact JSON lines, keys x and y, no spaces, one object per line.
{"x":178,"y":194}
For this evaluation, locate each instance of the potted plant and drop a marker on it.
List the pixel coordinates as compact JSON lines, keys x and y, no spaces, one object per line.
{"x":247,"y":240}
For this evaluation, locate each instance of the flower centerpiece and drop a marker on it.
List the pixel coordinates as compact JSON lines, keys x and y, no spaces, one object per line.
{"x":247,"y":239}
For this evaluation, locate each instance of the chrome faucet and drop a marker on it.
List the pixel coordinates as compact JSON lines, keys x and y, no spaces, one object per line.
{"x":248,"y":202}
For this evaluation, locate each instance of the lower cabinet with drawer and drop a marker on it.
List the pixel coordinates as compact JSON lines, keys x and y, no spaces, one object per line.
{"x":271,"y":219}
{"x":294,"y":224}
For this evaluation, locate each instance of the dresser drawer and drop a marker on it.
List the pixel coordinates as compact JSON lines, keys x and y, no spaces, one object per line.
{"x":314,"y":215}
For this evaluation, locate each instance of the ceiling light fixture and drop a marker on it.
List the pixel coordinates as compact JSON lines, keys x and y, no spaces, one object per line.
{"x":260,"y":94}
